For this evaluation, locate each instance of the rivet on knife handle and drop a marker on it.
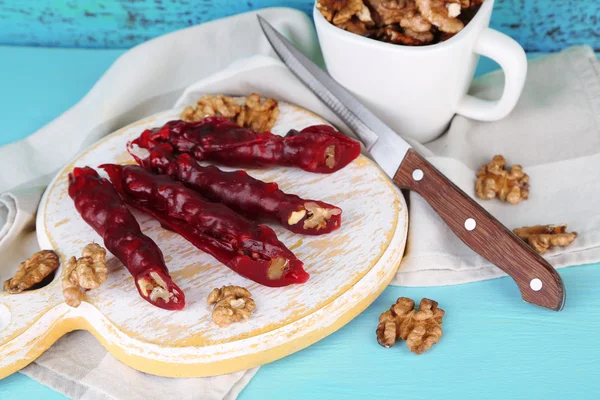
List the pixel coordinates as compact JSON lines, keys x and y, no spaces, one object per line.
{"x":537,"y":280}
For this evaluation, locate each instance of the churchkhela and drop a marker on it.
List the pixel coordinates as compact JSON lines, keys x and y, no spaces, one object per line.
{"x":318,"y":148}
{"x":249,"y":249}
{"x":102,"y":208}
{"x":241,"y":192}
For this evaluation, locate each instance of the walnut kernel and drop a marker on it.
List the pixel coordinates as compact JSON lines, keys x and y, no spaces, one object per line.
{"x":32,"y":271}
{"x":211,"y":105}
{"x":543,"y":237}
{"x":407,"y":22}
{"x":441,"y":13}
{"x":259,"y":116}
{"x":232,"y":304}
{"x":83,"y":274}
{"x":493,"y":180}
{"x":318,"y":216}
{"x":251,"y":112}
{"x":340,"y":11}
{"x":420,"y":328}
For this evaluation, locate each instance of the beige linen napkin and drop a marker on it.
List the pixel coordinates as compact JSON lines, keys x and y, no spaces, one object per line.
{"x":557,"y":116}
{"x":554,"y":132}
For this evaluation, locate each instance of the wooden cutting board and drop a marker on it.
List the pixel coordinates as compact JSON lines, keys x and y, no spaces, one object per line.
{"x":348,"y":268}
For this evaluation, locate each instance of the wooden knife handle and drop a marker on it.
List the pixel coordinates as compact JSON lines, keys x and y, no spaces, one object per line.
{"x":538,"y":281}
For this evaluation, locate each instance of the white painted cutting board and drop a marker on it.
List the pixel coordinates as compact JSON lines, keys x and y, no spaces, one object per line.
{"x":348,"y":269}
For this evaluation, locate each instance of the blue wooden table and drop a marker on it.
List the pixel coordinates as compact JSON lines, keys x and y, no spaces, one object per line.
{"x":494,"y":345}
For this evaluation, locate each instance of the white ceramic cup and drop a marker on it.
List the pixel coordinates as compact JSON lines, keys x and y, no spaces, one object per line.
{"x":417,"y":90}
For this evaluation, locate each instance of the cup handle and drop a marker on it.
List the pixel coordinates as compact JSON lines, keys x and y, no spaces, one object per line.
{"x":511,"y":57}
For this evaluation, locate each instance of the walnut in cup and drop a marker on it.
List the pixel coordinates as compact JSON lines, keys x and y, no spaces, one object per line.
{"x":406,"y":22}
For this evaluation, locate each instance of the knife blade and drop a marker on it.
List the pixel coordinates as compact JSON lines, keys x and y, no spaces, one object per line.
{"x":538,"y":282}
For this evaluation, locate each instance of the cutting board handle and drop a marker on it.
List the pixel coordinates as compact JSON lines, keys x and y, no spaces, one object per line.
{"x":537,"y":280}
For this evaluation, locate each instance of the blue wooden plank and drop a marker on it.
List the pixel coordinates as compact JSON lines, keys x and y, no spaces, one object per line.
{"x":40,"y":84}
{"x":19,"y":387}
{"x":494,"y":347}
{"x":539,"y":25}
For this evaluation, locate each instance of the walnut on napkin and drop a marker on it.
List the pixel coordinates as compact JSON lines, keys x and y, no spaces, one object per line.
{"x":420,"y":328}
{"x":543,"y":237}
{"x":406,"y":22}
{"x":494,"y":180}
{"x":32,"y":271}
{"x":232,"y":304}
{"x":83,"y":274}
{"x":250,"y":112}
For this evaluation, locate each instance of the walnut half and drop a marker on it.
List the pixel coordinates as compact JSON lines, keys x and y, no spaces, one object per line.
{"x":420,"y":328}
{"x":543,"y":237}
{"x":252,"y":112}
{"x":232,"y":304}
{"x":494,"y":180}
{"x":32,"y":271}
{"x":83,"y":274}
{"x":341,"y":11}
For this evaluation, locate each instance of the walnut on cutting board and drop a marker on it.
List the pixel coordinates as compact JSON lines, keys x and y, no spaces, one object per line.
{"x":83,"y":274}
{"x":543,"y":237}
{"x":420,"y":328}
{"x":32,"y":271}
{"x":494,"y":180}
{"x":258,"y":115}
{"x":251,"y":112}
{"x":232,"y":304}
{"x":208,"y":105}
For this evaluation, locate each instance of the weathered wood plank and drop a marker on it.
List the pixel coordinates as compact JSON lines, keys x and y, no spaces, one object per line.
{"x":539,"y":25}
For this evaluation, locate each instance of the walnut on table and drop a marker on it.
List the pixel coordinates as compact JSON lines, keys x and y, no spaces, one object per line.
{"x":250,"y":112}
{"x":232,"y":304}
{"x":420,"y":328}
{"x":32,"y":271}
{"x":494,"y":180}
{"x":543,"y":237}
{"x":83,"y":274}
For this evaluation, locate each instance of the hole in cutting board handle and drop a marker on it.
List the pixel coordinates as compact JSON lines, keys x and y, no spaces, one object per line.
{"x":23,"y":248}
{"x":4,"y":317}
{"x":45,"y":282}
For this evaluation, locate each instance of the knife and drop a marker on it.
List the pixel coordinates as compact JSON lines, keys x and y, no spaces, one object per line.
{"x":537,"y":280}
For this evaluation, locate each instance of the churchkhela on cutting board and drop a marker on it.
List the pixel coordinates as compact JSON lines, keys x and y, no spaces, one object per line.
{"x":251,"y":250}
{"x":241,"y":192}
{"x":102,"y":208}
{"x":318,"y":148}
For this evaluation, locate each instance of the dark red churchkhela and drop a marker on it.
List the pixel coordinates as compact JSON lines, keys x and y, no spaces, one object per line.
{"x":102,"y":208}
{"x":251,"y":250}
{"x":242,"y":193}
{"x":318,"y":148}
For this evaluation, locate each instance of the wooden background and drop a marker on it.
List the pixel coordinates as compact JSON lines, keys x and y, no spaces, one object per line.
{"x":538,"y":25}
